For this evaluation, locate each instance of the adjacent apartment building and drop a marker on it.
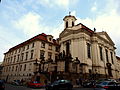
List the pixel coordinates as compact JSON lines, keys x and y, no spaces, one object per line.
{"x":19,"y":61}
{"x":79,"y":52}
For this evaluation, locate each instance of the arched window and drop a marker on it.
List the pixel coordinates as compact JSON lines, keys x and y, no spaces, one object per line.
{"x":72,"y":23}
{"x":66,"y":24}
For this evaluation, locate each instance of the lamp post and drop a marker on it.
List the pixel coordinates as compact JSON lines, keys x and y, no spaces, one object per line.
{"x":37,"y":70}
{"x":35,"y":65}
{"x":42,"y":62}
{"x":50,"y":72}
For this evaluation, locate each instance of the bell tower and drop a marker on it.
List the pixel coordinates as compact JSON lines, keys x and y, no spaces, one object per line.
{"x":69,"y":21}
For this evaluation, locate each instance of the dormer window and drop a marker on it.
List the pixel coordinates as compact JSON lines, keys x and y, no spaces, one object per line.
{"x":50,"y":39}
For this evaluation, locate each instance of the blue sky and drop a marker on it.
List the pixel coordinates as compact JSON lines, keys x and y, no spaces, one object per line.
{"x":23,"y":19}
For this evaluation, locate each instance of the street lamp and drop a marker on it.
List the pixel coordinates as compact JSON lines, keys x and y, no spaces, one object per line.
{"x":42,"y":62}
{"x":35,"y":65}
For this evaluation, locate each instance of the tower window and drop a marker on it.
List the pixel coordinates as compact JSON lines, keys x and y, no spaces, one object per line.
{"x":72,"y":23}
{"x":66,"y":24}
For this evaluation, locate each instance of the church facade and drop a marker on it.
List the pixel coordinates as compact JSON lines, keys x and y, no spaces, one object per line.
{"x":79,"y":52}
{"x":94,"y":50}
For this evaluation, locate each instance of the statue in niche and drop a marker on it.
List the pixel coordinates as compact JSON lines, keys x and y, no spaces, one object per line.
{"x":77,"y":60}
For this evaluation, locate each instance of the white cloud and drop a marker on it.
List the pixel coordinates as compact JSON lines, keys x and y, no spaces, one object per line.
{"x":29,"y":23}
{"x":54,"y":3}
{"x":63,"y":3}
{"x":94,"y":7}
{"x":73,"y":13}
{"x":32,"y":24}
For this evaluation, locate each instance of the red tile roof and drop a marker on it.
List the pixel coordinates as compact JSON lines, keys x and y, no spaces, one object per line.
{"x":118,"y":57}
{"x":86,"y":28}
{"x":42,"y":37}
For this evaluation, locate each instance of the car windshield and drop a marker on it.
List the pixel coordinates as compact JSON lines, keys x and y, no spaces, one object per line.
{"x":35,"y":82}
{"x":104,"y":83}
{"x":61,"y":81}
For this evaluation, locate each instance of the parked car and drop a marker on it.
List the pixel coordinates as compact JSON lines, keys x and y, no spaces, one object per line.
{"x":89,"y":84}
{"x":60,"y":85}
{"x":35,"y":84}
{"x":2,"y":85}
{"x":107,"y":85}
{"x":16,"y":82}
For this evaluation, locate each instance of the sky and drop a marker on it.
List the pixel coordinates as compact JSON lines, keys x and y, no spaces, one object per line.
{"x":21,"y":20}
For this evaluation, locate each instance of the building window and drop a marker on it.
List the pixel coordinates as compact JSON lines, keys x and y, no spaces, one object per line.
{"x":24,"y":67}
{"x":19,"y":50}
{"x":13,"y":68}
{"x":42,"y":54}
{"x":50,"y":47}
{"x":6,"y":69}
{"x":9,"y":69}
{"x":101,"y":56}
{"x":22,"y":56}
{"x":15,"y":51}
{"x":88,"y":50}
{"x":56,"y":57}
{"x":111,"y":57}
{"x":42,"y":44}
{"x":20,"y":67}
{"x":50,"y":39}
{"x":8,"y":60}
{"x":49,"y":55}
{"x":18,"y":58}
{"x":66,"y":24}
{"x":30,"y":67}
{"x":27,"y":47}
{"x":26,"y":56}
{"x":11,"y":59}
{"x":12,"y":53}
{"x":106,"y":51}
{"x":32,"y":45}
{"x":57,"y":49}
{"x":32,"y":54}
{"x":14,"y":58}
{"x":16,"y":68}
{"x":23,"y":48}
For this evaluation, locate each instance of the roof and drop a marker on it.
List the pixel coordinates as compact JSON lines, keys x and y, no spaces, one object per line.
{"x":118,"y":57}
{"x":69,"y":16}
{"x":86,"y":28}
{"x":42,"y":37}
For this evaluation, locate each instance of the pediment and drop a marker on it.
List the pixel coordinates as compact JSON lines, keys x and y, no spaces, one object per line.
{"x":106,"y":37}
{"x":64,"y":33}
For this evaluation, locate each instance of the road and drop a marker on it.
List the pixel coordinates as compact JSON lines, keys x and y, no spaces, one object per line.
{"x":12,"y":87}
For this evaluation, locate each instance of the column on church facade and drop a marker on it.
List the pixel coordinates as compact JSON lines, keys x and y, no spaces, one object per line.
{"x":82,"y":51}
{"x":72,"y":48}
{"x":95,"y":54}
